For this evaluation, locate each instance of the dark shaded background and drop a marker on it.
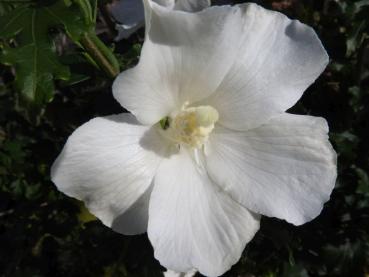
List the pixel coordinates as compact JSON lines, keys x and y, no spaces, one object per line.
{"x":45,"y":233}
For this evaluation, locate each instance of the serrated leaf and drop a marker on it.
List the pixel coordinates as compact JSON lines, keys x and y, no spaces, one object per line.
{"x":36,"y":66}
{"x":35,"y":59}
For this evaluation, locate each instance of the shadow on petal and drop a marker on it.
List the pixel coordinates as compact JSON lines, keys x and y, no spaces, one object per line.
{"x":154,"y":142}
{"x":134,"y":220}
{"x":124,"y":119}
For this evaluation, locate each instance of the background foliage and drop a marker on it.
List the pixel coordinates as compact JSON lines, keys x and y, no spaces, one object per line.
{"x":52,"y":81}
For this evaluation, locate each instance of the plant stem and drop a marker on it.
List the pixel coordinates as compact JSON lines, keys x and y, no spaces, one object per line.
{"x":101,"y":54}
{"x":106,"y":17}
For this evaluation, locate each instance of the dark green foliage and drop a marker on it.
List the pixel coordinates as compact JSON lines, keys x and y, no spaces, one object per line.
{"x":27,"y":42}
{"x":34,"y":56}
{"x":45,"y":233}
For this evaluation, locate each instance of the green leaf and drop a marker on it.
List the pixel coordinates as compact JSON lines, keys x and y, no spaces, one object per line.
{"x":70,"y":18}
{"x":36,"y":65}
{"x":355,"y":37}
{"x":11,"y":23}
{"x":68,"y":2}
{"x":33,"y":54}
{"x":294,"y":271}
{"x":87,"y":10}
{"x":35,"y":59}
{"x":363,"y":183}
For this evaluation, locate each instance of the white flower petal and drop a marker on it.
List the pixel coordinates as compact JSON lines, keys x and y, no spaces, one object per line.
{"x":191,"y":5}
{"x":192,"y":224}
{"x":285,"y":168}
{"x":277,"y":60}
{"x":184,"y":58}
{"x":164,"y":3}
{"x":109,"y":163}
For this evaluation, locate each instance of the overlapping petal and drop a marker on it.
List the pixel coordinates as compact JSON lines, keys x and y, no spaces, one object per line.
{"x":285,"y":168}
{"x":109,"y":163}
{"x":192,"y":224}
{"x":184,"y":58}
{"x":277,"y":60}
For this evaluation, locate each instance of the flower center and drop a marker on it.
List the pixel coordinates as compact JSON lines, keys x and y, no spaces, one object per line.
{"x":191,"y":126}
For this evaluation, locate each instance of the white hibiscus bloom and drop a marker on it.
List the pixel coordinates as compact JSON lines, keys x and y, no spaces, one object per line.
{"x":209,"y":146}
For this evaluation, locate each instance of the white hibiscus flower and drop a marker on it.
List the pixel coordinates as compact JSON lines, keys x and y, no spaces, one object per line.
{"x":209,"y":146}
